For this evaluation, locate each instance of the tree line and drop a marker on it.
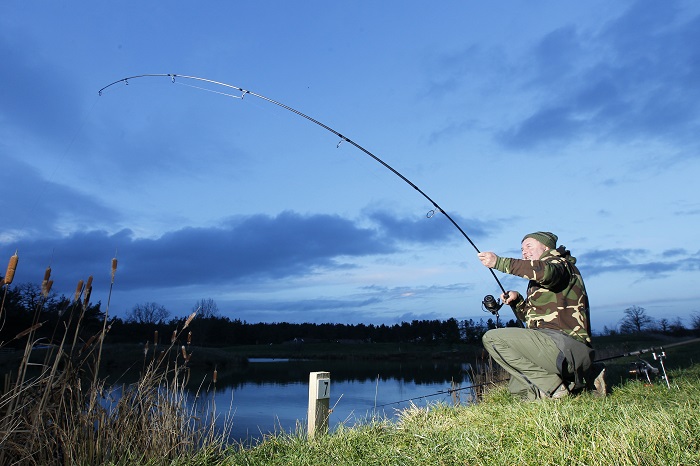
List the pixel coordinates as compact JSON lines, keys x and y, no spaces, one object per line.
{"x":24,"y":305}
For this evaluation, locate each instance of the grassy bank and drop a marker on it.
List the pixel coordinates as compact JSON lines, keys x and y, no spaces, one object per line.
{"x":637,"y":424}
{"x":65,"y":414}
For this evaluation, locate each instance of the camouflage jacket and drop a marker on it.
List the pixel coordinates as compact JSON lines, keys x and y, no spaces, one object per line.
{"x":556,"y":296}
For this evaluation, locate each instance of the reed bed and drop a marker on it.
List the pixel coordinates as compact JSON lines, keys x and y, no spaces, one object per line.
{"x":57,"y":410}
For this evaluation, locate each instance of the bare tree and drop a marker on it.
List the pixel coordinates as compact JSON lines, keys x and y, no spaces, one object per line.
{"x":636,"y":320}
{"x":148,"y":313}
{"x":677,"y":326}
{"x":695,"y":320}
{"x":206,"y":308}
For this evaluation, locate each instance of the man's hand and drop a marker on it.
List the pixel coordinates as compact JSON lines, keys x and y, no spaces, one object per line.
{"x":509,"y":296}
{"x":488,"y":259}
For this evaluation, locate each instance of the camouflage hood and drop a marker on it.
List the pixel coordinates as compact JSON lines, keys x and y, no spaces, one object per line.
{"x":562,"y":252}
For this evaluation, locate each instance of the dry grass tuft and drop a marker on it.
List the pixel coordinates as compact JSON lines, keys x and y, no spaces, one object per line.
{"x":57,"y":411}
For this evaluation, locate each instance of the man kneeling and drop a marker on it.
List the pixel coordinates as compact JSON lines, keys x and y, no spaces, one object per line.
{"x":553,"y":356}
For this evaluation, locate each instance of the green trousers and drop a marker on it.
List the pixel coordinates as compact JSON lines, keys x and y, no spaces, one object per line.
{"x":533,"y":359}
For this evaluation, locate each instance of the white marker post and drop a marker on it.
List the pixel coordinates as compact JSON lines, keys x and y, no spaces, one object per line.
{"x":319,"y":402}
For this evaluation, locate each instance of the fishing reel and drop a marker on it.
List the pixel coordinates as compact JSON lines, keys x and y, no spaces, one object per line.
{"x":491,"y":304}
{"x":642,"y":369}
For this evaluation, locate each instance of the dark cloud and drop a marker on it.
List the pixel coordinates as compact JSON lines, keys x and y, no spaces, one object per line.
{"x":365,"y":306}
{"x":39,"y":206}
{"x":637,"y":262}
{"x":547,"y":125}
{"x":241,"y":250}
{"x":302,"y":310}
{"x":685,"y":213}
{"x":635,"y":78}
{"x":402,"y":290}
{"x":422,"y":230}
{"x":451,"y":130}
{"x":677,"y":252}
{"x":453,"y":69}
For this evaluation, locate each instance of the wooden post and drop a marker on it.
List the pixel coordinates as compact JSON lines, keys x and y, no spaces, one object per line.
{"x":319,"y":402}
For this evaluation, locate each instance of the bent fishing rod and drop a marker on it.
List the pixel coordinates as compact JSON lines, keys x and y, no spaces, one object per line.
{"x":244,"y":92}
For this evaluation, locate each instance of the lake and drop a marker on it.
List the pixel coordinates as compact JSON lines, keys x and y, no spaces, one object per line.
{"x":271,"y":395}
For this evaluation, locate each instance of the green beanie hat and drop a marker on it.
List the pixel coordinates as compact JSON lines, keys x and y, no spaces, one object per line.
{"x":545,"y":237}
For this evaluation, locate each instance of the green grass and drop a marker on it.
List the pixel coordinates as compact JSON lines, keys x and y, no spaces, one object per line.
{"x":55,"y":416}
{"x":637,"y":424}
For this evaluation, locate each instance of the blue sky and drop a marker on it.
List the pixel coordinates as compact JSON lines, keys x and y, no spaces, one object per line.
{"x":579,"y":118}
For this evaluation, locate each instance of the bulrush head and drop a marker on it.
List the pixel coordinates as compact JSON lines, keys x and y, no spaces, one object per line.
{"x":114,"y":267}
{"x":11,"y":268}
{"x":46,"y":282}
{"x":189,"y":320}
{"x":47,"y":289}
{"x":88,"y":291}
{"x":185,"y":356}
{"x":28,"y":331}
{"x":78,"y":290}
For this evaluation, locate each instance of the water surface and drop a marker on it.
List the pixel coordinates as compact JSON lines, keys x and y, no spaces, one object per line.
{"x":271,"y":395}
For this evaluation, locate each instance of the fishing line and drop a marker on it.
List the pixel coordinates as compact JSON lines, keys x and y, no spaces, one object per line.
{"x":243,"y":92}
{"x":449,"y":391}
{"x":209,"y":90}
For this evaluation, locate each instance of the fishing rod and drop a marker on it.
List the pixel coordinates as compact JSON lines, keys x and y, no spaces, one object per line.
{"x":244,"y":92}
{"x":642,"y":367}
{"x":648,"y":350}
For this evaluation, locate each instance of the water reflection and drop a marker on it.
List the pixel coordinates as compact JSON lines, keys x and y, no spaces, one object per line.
{"x":272,"y":395}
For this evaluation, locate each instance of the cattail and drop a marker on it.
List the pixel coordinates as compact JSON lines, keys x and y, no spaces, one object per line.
{"x":215,"y":373}
{"x":45,"y":282}
{"x":46,"y":288}
{"x":11,"y":268}
{"x":155,"y":338}
{"x":145,"y":349}
{"x":88,"y":291}
{"x":27,"y":331}
{"x":189,"y":338}
{"x":88,"y":344}
{"x":174,"y":337}
{"x":189,"y":320}
{"x":78,"y":290}
{"x":114,"y":267}
{"x":184,"y":354}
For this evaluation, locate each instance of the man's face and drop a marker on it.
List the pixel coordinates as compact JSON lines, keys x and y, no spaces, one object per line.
{"x":532,"y":249}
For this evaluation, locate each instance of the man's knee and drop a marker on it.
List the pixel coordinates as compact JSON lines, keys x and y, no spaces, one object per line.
{"x":499,"y":334}
{"x":487,"y":337}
